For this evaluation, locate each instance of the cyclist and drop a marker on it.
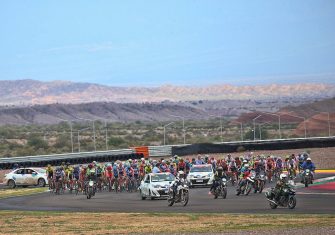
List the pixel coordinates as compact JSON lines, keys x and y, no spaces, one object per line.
{"x":68,"y":176}
{"x":50,"y":174}
{"x":59,"y":178}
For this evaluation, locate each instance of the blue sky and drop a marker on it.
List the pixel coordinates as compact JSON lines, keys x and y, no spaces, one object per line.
{"x":151,"y":43}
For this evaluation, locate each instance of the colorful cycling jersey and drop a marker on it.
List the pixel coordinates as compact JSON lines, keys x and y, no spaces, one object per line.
{"x":115,"y":171}
{"x":279,"y":164}
{"x":136,"y":171}
{"x":76,"y":170}
{"x":68,"y":171}
{"x":99,"y":172}
{"x":129,"y":171}
{"x":50,"y":172}
{"x":121,"y":170}
{"x":58,"y":173}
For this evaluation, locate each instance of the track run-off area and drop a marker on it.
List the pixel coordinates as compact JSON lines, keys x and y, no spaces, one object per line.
{"x":316,"y":199}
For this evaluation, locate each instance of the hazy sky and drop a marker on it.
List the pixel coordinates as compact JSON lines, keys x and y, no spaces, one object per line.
{"x":150,"y":43}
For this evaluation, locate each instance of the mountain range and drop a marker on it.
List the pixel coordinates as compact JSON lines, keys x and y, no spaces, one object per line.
{"x":31,"y":92}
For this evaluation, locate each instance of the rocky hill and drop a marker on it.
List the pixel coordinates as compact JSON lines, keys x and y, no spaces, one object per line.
{"x":112,"y":112}
{"x":31,"y":92}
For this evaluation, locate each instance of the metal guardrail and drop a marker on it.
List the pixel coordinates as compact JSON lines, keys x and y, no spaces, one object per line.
{"x":160,"y":151}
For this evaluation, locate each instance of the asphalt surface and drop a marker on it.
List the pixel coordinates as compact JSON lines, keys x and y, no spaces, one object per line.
{"x":309,"y":200}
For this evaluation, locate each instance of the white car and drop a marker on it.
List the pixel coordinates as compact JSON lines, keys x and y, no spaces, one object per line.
{"x":156,"y":185}
{"x":26,"y":177}
{"x":201,"y":175}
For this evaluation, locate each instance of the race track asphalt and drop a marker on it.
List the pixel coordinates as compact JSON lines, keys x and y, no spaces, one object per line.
{"x":309,"y":200}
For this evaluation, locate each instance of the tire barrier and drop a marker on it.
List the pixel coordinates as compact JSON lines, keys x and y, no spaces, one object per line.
{"x":207,"y":148}
{"x":31,"y":162}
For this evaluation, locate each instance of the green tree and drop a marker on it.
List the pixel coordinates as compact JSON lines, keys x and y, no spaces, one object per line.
{"x":115,"y":141}
{"x":37,"y":143}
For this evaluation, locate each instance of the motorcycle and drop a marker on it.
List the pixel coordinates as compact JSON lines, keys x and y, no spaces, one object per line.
{"x":307,"y":177}
{"x":286,"y":199}
{"x":248,"y":185}
{"x":221,"y":189}
{"x":182,"y":194}
{"x":259,"y":183}
{"x":90,"y":189}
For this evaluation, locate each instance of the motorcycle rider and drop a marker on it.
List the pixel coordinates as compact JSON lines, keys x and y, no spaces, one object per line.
{"x":308,"y":164}
{"x":219,"y":174}
{"x":179,"y":180}
{"x":280,"y":185}
{"x":245,"y":173}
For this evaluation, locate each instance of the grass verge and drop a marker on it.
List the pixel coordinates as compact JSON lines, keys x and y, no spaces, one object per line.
{"x":5,"y":193}
{"x":19,"y":222}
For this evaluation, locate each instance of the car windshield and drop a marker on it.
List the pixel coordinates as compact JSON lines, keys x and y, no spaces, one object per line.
{"x":162,"y":177}
{"x":202,"y":169}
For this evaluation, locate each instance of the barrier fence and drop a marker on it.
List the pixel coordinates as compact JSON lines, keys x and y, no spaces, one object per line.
{"x":167,"y":151}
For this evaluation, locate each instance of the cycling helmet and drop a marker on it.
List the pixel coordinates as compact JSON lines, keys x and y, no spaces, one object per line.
{"x":283,"y":176}
{"x":90,"y":165}
{"x":308,"y":159}
{"x":245,"y":161}
{"x":68,"y":164}
{"x":109,"y":168}
{"x":246,"y":165}
{"x":48,"y":165}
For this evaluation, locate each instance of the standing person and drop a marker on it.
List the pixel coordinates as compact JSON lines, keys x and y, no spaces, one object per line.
{"x":156,"y":169}
{"x":188,"y":166}
{"x":199,"y":161}
{"x":181,"y":165}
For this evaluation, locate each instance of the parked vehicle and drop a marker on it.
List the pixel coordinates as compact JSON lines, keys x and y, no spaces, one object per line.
{"x":26,"y":177}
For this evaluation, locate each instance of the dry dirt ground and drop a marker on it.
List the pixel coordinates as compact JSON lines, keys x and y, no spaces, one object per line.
{"x":159,"y":223}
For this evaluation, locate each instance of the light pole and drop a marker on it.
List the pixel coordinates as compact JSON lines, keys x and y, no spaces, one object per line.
{"x":79,"y":137}
{"x":70,"y":122}
{"x":221,"y":124}
{"x":255,"y":125}
{"x":260,"y":130}
{"x":183,"y":118}
{"x":165,"y":130}
{"x":288,"y":114}
{"x":241,"y":129}
{"x":91,"y":120}
{"x":106,"y":131}
{"x":278,"y":115}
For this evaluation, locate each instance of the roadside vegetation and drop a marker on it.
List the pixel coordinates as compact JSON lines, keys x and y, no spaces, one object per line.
{"x":52,"y":139}
{"x":6,"y":193}
{"x":19,"y":222}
